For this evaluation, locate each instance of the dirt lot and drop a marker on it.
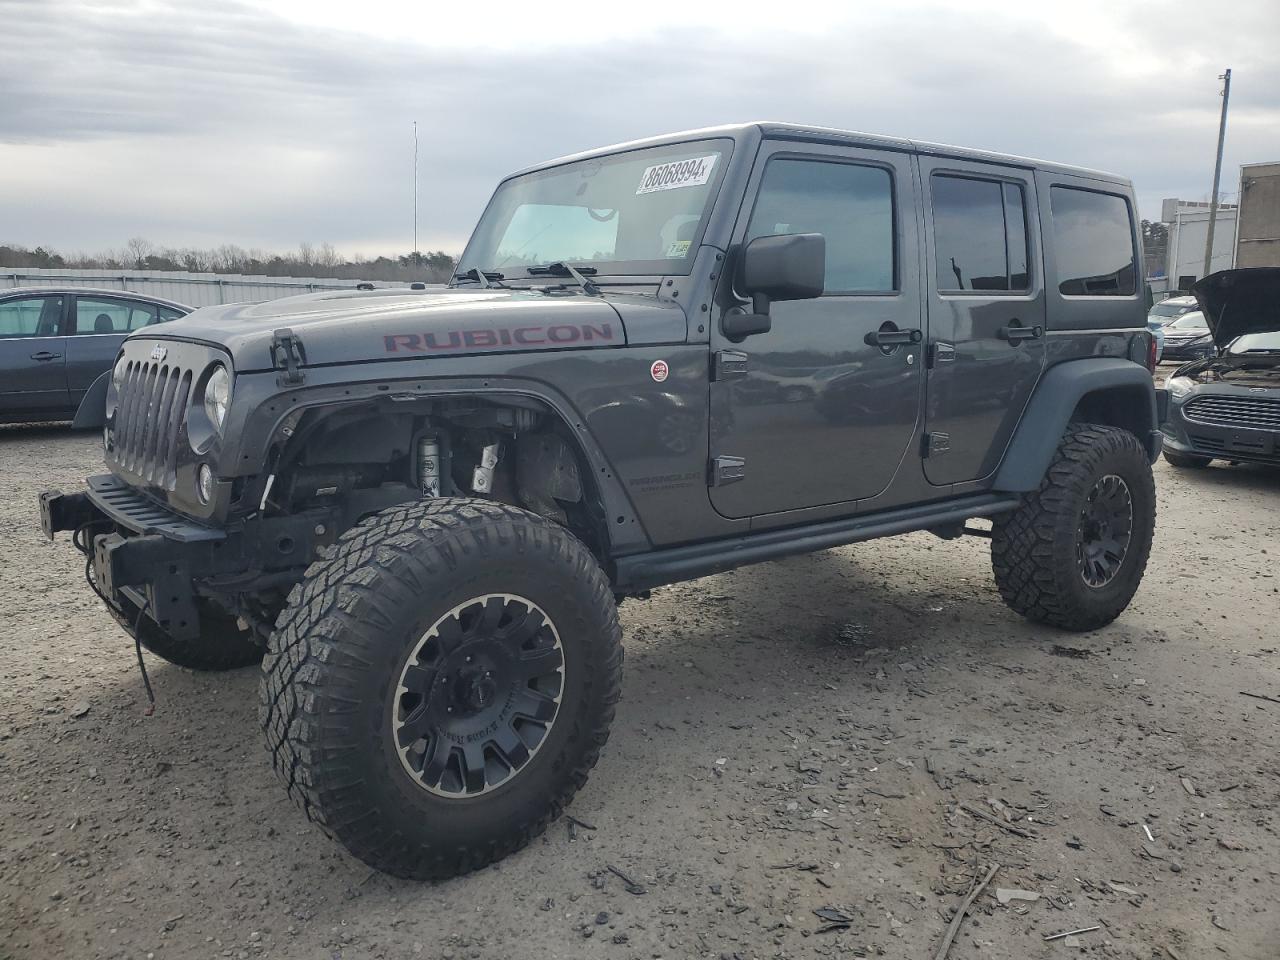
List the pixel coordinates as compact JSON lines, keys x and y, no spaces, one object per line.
{"x":794,"y":736}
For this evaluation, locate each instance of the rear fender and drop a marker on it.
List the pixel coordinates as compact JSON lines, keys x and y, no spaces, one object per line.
{"x":92,"y":412}
{"x":1095,"y":390}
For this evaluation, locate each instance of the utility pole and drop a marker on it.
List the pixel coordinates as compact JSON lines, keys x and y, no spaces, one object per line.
{"x":415,"y":186}
{"x":1217,"y":172}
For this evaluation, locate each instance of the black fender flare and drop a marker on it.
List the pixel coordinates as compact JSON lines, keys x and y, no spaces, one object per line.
{"x":92,"y":411}
{"x":1125,"y":387}
{"x":624,"y":530}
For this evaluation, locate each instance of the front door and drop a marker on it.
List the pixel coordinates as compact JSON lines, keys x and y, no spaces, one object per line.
{"x":33,"y":377}
{"x":821,"y":409}
{"x":986,"y":313}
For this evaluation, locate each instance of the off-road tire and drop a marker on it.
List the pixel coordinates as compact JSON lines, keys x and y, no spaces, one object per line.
{"x":1033,"y":548}
{"x":222,"y":645}
{"x":329,"y":682}
{"x":1186,"y":461}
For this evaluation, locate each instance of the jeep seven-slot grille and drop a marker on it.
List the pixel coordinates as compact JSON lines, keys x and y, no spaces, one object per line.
{"x":1260,"y":413}
{"x":150,"y":410}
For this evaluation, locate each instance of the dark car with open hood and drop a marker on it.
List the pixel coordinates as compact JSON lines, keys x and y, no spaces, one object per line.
{"x":657,"y":361}
{"x":1227,"y":405}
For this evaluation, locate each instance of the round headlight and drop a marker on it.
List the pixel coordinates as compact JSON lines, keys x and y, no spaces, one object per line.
{"x":1179,"y":387}
{"x":117,"y":372}
{"x":204,"y":483}
{"x":217,"y":396}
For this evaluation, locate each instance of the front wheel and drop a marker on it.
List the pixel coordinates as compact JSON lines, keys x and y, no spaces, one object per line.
{"x":1073,"y":553}
{"x":439,"y":687}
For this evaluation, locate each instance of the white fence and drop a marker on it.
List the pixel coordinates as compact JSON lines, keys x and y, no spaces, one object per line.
{"x":193,"y":289}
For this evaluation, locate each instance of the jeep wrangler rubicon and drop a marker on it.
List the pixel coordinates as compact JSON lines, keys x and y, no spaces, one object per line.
{"x":657,"y":361}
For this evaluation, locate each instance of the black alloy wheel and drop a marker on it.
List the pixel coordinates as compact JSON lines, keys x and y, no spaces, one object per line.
{"x":1106,"y":526}
{"x":478,"y":695}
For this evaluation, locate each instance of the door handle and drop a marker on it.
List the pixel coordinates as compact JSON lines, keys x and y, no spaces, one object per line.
{"x":892,"y":337}
{"x":1016,"y":331}
{"x":44,"y":355}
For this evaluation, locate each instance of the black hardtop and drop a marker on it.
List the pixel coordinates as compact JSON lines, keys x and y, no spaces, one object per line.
{"x":764,"y":129}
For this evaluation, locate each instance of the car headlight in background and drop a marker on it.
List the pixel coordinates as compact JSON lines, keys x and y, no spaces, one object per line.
{"x":1179,"y":387}
{"x":217,"y":396}
{"x":204,"y":483}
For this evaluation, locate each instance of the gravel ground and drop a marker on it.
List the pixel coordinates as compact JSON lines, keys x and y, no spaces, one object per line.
{"x":794,"y":736}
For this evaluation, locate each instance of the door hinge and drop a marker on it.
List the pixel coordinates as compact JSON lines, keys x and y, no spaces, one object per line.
{"x":935,"y":444}
{"x":728,"y":365}
{"x":940,"y":352}
{"x":288,"y":354}
{"x":726,"y":470}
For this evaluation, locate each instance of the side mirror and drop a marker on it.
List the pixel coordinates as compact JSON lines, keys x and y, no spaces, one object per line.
{"x":786,"y":267}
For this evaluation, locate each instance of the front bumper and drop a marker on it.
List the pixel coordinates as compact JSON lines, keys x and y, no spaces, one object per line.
{"x":147,"y":559}
{"x":1220,"y":441}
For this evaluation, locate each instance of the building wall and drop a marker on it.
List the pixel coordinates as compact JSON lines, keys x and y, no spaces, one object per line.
{"x":1258,"y":239}
{"x":193,"y":289}
{"x":1188,"y":231}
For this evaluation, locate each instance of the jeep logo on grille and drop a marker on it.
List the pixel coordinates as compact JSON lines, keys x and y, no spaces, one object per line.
{"x":158,"y":353}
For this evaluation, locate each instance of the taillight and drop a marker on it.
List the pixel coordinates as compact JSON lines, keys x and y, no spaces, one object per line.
{"x":1151,"y":353}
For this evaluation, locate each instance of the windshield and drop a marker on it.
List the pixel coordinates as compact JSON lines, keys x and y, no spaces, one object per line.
{"x":1167,"y":309}
{"x":1190,"y":321}
{"x":639,"y":212}
{"x":1256,"y":343}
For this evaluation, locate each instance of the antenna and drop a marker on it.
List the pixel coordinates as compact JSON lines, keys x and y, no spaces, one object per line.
{"x":415,"y":186}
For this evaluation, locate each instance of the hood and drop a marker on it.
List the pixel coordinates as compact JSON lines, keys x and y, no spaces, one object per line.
{"x":1241,"y":301}
{"x":353,"y":326}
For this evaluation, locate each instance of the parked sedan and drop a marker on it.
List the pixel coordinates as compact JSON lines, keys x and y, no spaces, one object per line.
{"x":1168,"y":310}
{"x":1188,"y":337}
{"x":1227,"y":406}
{"x":55,"y":341}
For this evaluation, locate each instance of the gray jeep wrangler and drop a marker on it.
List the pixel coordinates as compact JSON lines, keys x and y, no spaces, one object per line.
{"x":657,"y":361}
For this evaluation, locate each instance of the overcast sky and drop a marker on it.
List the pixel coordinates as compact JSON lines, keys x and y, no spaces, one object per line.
{"x":196,"y":124}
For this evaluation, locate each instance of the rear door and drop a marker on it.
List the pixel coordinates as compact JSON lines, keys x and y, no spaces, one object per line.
{"x":33,"y":376}
{"x":100,"y":324}
{"x":986,"y":305}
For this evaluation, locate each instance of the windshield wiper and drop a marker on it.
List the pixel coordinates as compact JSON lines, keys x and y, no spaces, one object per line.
{"x":562,"y":269}
{"x":486,"y":278}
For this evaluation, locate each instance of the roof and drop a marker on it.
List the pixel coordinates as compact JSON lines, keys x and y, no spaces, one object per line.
{"x":52,"y":288}
{"x":827,"y":135}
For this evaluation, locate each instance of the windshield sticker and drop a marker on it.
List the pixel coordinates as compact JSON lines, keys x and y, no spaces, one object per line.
{"x":678,"y":249}
{"x":673,"y":176}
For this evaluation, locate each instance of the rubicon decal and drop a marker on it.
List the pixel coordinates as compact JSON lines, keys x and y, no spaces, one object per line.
{"x":497,"y":338}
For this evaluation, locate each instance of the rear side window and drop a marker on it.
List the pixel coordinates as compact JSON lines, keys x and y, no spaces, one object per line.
{"x":31,"y":317}
{"x":1093,"y":233}
{"x":849,"y":204}
{"x":168,"y":313}
{"x":979,"y":235}
{"x":112,"y":316}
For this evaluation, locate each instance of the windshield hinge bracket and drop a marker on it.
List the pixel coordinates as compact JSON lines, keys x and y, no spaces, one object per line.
{"x":288,"y":354}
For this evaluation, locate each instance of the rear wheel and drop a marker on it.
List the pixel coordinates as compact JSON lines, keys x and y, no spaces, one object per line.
{"x":1073,"y":553}
{"x":1187,"y":461}
{"x":438,"y":689}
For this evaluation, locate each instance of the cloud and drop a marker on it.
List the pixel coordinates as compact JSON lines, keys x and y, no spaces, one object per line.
{"x":210,"y":123}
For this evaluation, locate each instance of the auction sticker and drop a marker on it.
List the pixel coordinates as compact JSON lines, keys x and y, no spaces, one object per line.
{"x":659,"y":371}
{"x":679,"y":173}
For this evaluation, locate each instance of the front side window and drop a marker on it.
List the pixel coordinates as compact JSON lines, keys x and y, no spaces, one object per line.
{"x":1093,"y":233}
{"x":634,"y":213}
{"x":111,"y":316}
{"x":31,"y":317}
{"x":979,"y":235}
{"x":849,"y":204}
